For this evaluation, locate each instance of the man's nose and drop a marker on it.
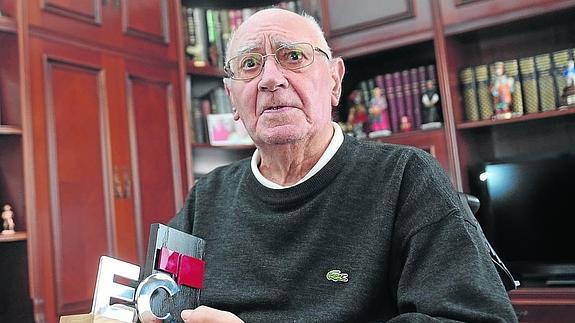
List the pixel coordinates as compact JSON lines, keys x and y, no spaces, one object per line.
{"x":272,"y":77}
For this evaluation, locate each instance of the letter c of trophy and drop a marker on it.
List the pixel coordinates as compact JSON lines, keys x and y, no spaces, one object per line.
{"x":145,"y":290}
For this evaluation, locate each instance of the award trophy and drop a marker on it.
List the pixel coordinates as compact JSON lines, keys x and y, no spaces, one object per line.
{"x":170,"y":282}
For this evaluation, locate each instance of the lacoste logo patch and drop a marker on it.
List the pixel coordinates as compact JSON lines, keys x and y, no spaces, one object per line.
{"x":336,"y":276}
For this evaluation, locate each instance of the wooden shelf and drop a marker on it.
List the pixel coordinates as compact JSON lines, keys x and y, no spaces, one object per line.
{"x":10,"y":130}
{"x":533,"y":116}
{"x":8,"y":24}
{"x":237,"y":147}
{"x":204,"y":70}
{"x":18,"y":236}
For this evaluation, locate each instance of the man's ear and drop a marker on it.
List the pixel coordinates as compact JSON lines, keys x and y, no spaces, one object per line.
{"x":229,"y":93}
{"x":337,"y":72}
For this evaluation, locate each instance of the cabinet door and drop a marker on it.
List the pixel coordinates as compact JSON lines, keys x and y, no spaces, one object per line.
{"x":73,"y":224}
{"x":356,"y":28}
{"x":459,"y":15}
{"x":140,"y":27}
{"x":157,"y":149}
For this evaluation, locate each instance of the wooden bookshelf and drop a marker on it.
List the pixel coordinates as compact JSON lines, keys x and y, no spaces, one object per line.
{"x":18,"y":236}
{"x":207,"y":70}
{"x":527,"y":117}
{"x":8,"y":24}
{"x":10,"y":130}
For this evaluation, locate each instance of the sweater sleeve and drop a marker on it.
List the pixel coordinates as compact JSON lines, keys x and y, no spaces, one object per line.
{"x":445,"y":273}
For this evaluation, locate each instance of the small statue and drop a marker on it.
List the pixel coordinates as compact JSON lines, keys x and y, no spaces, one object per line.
{"x":357,"y":116}
{"x":568,"y":96}
{"x":8,"y":218}
{"x":378,"y":118}
{"x":502,"y":87}
{"x":404,"y":124}
{"x":569,"y":73}
{"x":431,"y":116}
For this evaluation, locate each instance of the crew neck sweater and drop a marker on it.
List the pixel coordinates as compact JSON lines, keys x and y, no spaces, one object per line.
{"x":378,"y":234}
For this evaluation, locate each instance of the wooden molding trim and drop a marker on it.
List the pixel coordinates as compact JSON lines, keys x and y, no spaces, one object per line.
{"x":464,"y":2}
{"x":164,"y":38}
{"x":95,"y":18}
{"x":407,"y":14}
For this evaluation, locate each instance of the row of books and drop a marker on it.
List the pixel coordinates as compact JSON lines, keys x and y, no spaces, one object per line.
{"x":207,"y":31}
{"x":401,"y":93}
{"x":538,"y":85}
{"x":214,"y":103}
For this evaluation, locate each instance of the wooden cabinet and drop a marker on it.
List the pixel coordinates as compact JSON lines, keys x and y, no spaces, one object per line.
{"x":462,"y":15}
{"x":146,"y":28}
{"x":93,"y":144}
{"x":375,"y":25}
{"x":108,"y":163}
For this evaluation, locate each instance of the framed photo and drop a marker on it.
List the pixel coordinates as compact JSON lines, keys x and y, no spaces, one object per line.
{"x":223,"y":130}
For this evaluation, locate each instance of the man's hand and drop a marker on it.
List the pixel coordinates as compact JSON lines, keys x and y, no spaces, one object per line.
{"x":204,"y":314}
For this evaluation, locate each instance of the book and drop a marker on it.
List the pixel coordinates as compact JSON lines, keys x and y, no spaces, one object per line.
{"x":512,"y":70}
{"x":391,"y":103}
{"x":399,"y":100}
{"x":416,"y":98}
{"x":407,"y":96}
{"x":529,"y":84}
{"x":484,"y":98}
{"x":559,"y":60}
{"x":197,"y":42}
{"x":545,"y":82}
{"x":469,"y":93}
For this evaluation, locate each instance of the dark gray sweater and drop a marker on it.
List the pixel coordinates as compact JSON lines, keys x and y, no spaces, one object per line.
{"x":378,"y":234}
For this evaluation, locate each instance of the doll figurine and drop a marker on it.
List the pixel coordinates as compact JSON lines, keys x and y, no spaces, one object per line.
{"x":431,"y":116}
{"x":568,"y":97}
{"x":378,"y":117}
{"x":502,"y":87}
{"x":8,"y":220}
{"x":357,"y":117}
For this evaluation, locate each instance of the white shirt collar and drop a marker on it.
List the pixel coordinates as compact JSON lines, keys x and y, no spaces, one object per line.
{"x":335,"y":143}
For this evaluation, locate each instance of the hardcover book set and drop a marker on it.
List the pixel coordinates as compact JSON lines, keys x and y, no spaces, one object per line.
{"x":502,"y":90}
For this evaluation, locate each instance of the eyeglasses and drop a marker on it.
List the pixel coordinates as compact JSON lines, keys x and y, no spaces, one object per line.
{"x":247,"y":66}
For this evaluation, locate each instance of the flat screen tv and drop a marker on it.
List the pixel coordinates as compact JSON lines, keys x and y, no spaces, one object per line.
{"x":528,"y":214}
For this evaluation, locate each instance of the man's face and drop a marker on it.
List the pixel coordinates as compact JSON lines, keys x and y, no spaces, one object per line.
{"x":282,"y":106}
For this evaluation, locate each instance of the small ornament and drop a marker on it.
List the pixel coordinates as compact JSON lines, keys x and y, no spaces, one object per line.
{"x":357,"y":117}
{"x":8,"y":220}
{"x":431,"y":114}
{"x":378,"y":117}
{"x":502,"y":87}
{"x":568,"y":96}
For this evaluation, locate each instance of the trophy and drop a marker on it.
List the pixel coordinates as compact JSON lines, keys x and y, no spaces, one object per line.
{"x":568,"y":96}
{"x":171,"y":281}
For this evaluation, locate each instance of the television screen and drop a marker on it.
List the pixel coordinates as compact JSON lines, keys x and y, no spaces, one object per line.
{"x":528,"y":214}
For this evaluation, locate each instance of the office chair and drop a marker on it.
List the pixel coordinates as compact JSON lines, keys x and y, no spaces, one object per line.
{"x":471,"y":205}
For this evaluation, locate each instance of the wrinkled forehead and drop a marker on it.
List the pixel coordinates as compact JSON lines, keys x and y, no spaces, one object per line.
{"x":270,"y":30}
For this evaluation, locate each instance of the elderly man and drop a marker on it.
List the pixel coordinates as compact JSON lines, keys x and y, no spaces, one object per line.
{"x":321,"y":227}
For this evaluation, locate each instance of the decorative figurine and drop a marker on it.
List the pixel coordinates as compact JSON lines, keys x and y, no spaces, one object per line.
{"x":404,"y":124}
{"x":357,"y":116}
{"x":502,"y":87}
{"x":568,"y":96}
{"x":8,"y":218}
{"x":431,"y":116}
{"x":378,"y":117}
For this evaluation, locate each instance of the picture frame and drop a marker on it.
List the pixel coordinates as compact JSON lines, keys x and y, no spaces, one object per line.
{"x":223,"y":130}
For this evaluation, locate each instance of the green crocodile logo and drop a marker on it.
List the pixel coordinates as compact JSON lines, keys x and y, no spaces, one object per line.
{"x":336,"y":276}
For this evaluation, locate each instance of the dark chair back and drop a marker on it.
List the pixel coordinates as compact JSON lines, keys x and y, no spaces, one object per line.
{"x":471,"y":205}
